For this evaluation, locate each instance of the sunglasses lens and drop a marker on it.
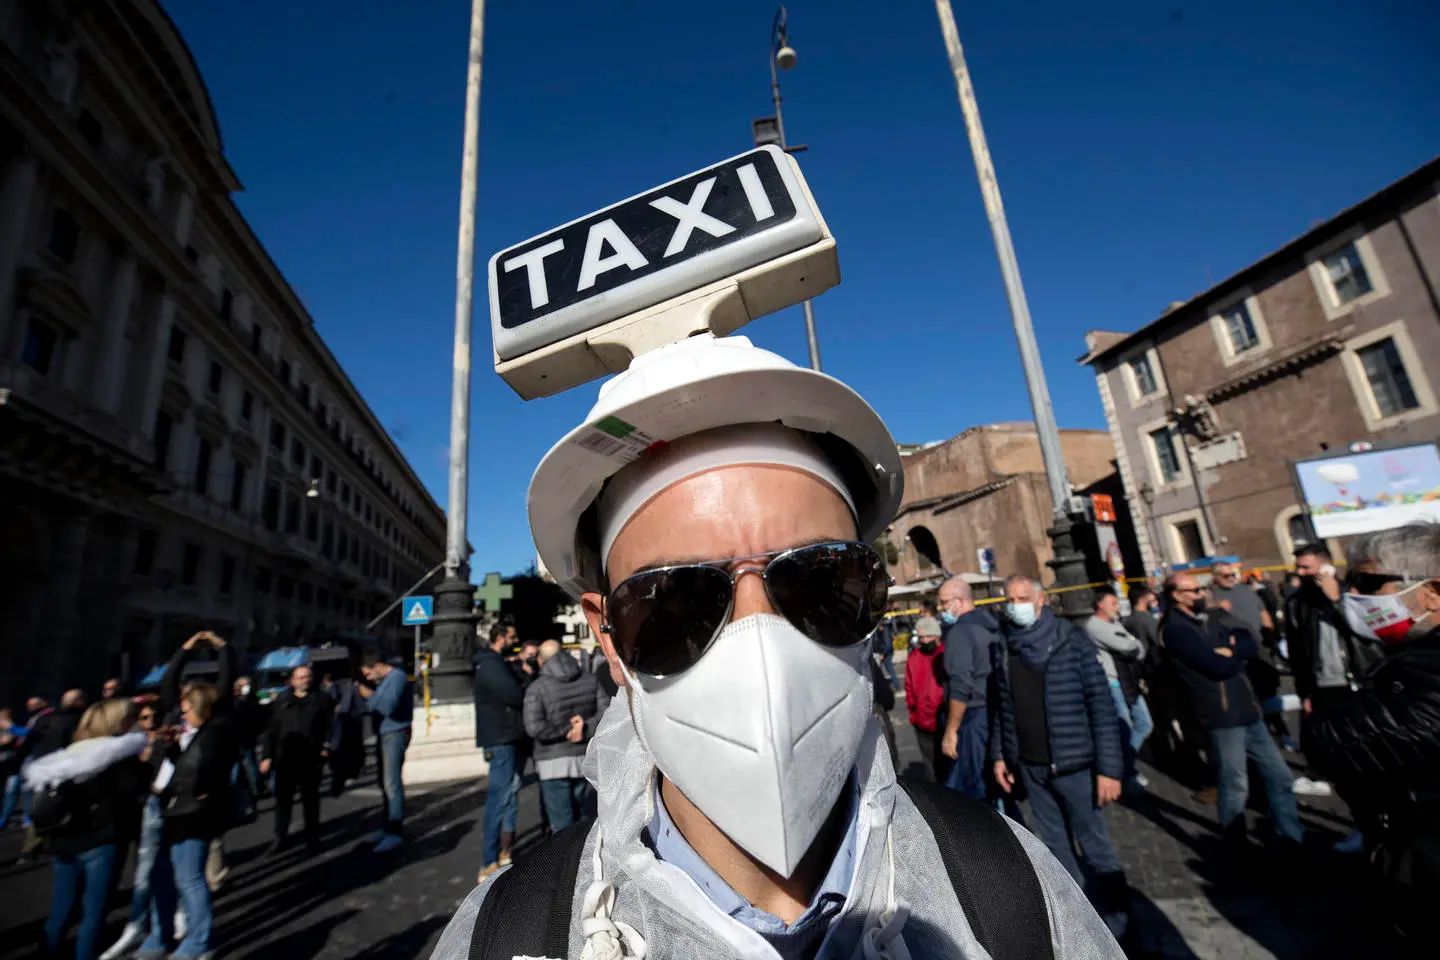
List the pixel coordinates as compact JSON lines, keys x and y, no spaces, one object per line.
{"x":663,"y":621}
{"x":834,"y":593}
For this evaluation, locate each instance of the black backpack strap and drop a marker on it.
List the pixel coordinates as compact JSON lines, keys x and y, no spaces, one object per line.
{"x":993,"y":877}
{"x":526,"y":913}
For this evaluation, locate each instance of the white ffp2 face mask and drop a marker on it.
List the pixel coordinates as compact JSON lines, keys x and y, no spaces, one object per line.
{"x":761,"y":734}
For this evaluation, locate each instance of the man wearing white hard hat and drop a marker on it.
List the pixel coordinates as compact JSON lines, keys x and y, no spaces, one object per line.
{"x":712,"y":515}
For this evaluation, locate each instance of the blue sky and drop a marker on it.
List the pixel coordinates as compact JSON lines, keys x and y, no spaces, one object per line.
{"x":1144,"y":151}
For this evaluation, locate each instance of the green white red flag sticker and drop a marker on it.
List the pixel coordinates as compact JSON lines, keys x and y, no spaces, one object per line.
{"x":614,"y":438}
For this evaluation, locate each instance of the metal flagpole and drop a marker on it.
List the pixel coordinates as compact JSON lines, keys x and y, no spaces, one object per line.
{"x":454,"y":617}
{"x":1068,"y":564}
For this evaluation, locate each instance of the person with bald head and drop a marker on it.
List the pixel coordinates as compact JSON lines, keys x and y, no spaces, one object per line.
{"x":562,"y":707}
{"x":971,"y":636}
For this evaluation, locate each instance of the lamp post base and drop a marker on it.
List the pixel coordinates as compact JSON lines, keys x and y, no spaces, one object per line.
{"x":453,"y":639}
{"x":1069,"y":566}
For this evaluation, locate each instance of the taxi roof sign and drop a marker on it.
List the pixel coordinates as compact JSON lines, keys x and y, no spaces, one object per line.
{"x":709,"y":251}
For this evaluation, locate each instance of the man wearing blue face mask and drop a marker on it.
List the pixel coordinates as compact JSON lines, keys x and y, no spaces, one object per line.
{"x":1059,"y":732}
{"x":970,"y":636}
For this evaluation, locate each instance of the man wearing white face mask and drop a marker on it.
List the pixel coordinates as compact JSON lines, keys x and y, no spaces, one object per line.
{"x":1383,"y":742}
{"x":1058,"y":732}
{"x":747,"y":806}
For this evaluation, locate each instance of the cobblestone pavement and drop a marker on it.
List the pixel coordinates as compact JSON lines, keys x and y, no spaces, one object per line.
{"x":349,"y":903}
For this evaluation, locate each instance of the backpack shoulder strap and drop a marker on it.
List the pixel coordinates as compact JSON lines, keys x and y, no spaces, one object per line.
{"x":990,"y":871}
{"x":527,"y":911}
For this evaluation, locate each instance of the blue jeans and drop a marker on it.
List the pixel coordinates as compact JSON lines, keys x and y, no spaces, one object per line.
{"x":1064,"y":804}
{"x":145,"y":850}
{"x":565,"y":800}
{"x":1136,"y":725}
{"x":1141,"y":724}
{"x":11,"y":799}
{"x":179,"y":874}
{"x":392,"y":759}
{"x":967,"y":774}
{"x":500,"y":798}
{"x":1232,"y":745}
{"x":90,"y":870}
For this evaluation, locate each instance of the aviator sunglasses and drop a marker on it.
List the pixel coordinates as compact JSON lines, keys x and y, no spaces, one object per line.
{"x":662,"y":621}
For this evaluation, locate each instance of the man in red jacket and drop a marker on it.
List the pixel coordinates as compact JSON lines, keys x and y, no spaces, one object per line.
{"x":925,"y":693}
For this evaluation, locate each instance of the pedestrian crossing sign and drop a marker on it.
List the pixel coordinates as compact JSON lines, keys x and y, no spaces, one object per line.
{"x":417,"y":611}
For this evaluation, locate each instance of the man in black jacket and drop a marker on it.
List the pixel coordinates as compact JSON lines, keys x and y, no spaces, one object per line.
{"x":295,"y":748}
{"x":1209,"y":650}
{"x":1384,"y":740}
{"x":500,"y":732}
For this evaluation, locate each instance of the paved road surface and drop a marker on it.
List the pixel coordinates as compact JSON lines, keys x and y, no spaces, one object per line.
{"x":349,"y":903}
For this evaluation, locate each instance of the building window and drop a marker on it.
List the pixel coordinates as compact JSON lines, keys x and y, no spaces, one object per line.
{"x":327,"y":540}
{"x":202,"y":467}
{"x":90,"y":129}
{"x":285,"y":587}
{"x":277,"y":436}
{"x":285,"y":372}
{"x":344,"y":545}
{"x":164,"y":427}
{"x":42,"y":342}
{"x":1144,"y":373}
{"x":1240,"y":328}
{"x":255,"y":334}
{"x":247,"y":406}
{"x":1166,"y":458}
{"x":1389,"y":382}
{"x":145,"y":544}
{"x":307,"y":592}
{"x":237,"y":487}
{"x":227,"y":304}
{"x":330,"y":482}
{"x":312,"y":526}
{"x":262,"y":581}
{"x":345,"y":493}
{"x":292,"y":515}
{"x":64,"y":235}
{"x":190,"y":564}
{"x":355,"y":549}
{"x":1298,"y":529}
{"x":270,"y":511}
{"x":175,"y":349}
{"x":317,"y":469}
{"x":227,"y":576}
{"x":216,"y":378}
{"x":1192,"y":544}
{"x":307,"y":395}
{"x":1348,"y":276}
{"x":297,"y":452}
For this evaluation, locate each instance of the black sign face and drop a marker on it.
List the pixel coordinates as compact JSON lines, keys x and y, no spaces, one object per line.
{"x":633,"y":241}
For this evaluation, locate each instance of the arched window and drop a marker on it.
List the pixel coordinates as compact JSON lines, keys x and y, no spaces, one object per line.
{"x":1292,"y":530}
{"x":927,"y":551}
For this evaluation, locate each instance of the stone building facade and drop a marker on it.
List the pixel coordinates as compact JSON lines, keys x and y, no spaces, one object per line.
{"x":1330,"y":340}
{"x":986,"y":487}
{"x":178,"y":447}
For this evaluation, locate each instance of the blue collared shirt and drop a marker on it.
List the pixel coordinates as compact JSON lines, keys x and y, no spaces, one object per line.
{"x":801,"y":939}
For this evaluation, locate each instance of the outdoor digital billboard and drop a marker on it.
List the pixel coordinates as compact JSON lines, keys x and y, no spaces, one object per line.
{"x":1354,"y":493}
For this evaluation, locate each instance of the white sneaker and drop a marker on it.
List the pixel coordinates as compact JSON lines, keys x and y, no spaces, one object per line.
{"x":1354,"y":843}
{"x":1306,"y":787}
{"x":181,"y":927}
{"x":388,"y":842}
{"x":130,"y":939}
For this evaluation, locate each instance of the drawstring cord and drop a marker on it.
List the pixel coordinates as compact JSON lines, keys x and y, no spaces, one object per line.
{"x":605,"y":938}
{"x":884,"y":942}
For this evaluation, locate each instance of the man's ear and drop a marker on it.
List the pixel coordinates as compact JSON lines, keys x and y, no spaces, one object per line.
{"x":1429,"y":596}
{"x":593,"y":606}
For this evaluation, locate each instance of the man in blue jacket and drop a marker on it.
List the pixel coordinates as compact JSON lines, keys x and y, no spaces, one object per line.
{"x":1059,"y":731}
{"x":389,"y":695}
{"x":1209,"y":650}
{"x":500,"y":732}
{"x":970,"y":636}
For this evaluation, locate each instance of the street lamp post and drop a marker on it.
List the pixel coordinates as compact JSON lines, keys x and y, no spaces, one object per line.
{"x":782,"y":56}
{"x":454,"y":617}
{"x":1068,"y":562}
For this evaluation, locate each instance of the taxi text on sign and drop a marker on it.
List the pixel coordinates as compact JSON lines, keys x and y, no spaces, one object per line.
{"x":701,"y":228}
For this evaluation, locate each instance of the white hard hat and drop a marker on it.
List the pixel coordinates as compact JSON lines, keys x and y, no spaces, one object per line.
{"x":697,"y":384}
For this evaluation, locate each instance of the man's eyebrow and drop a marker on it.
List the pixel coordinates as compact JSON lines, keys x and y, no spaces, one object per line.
{"x":692,"y":560}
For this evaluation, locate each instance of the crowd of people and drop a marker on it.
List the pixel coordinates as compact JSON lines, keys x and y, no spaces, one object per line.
{"x":1210,"y":656}
{"x":160,"y":778}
